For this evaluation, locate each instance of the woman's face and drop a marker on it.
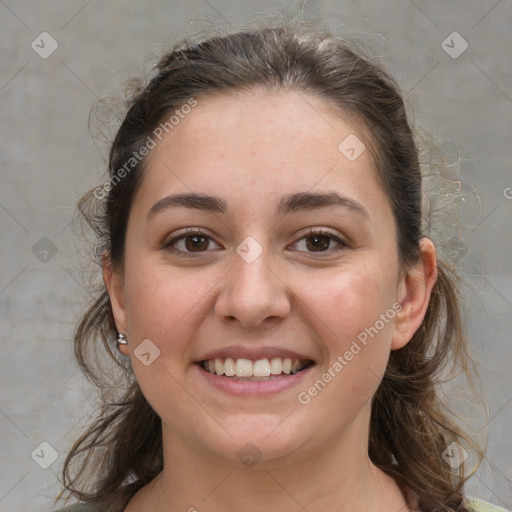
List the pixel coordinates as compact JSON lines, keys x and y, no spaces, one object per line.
{"x":257,"y":247}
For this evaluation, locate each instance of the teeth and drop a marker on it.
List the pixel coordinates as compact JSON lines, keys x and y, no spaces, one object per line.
{"x":243,"y":368}
{"x":261,"y":368}
{"x":276,"y":366}
{"x":229,"y":367}
{"x":246,"y":368}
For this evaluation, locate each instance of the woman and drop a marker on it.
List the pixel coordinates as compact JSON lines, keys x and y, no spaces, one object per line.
{"x":280,"y":315}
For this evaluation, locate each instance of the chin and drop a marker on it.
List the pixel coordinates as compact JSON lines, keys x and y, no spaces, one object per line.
{"x":260,"y":439}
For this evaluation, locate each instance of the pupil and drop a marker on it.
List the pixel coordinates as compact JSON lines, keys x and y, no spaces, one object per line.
{"x":319,"y":242}
{"x":196,"y":242}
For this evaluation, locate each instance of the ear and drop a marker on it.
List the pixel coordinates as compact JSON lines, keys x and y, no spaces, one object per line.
{"x":414,"y":295}
{"x":114,"y":283}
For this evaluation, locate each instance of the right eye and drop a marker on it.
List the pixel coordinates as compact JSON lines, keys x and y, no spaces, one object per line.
{"x":192,"y":241}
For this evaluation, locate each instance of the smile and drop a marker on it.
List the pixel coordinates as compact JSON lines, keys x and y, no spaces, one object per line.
{"x":260,"y":369}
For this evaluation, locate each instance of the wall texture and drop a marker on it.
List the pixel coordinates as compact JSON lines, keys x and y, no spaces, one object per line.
{"x":453,"y":60}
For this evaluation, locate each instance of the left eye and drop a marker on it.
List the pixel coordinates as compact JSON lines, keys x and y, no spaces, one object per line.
{"x":319,"y":242}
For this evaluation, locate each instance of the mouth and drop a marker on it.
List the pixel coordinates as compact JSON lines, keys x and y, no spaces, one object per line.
{"x":259,"y":370}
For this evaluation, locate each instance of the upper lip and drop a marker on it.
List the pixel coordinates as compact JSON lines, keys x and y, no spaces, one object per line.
{"x":243,"y":352}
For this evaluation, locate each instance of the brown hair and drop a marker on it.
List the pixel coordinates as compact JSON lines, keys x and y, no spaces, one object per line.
{"x":410,"y":427}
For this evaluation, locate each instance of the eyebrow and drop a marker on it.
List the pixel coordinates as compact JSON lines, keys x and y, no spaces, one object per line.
{"x":290,"y":203}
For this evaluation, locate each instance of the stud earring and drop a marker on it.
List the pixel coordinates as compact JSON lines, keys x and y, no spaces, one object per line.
{"x":121,"y":340}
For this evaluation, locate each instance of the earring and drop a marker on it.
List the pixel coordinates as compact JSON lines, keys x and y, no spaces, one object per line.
{"x":121,"y":340}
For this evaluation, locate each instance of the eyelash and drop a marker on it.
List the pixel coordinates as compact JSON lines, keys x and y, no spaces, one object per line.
{"x":191,"y":232}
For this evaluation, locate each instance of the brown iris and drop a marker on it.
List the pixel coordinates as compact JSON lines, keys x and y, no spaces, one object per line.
{"x":319,"y":242}
{"x":196,"y":243}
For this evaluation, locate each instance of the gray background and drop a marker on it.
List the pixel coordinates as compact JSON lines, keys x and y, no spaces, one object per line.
{"x":48,"y":160}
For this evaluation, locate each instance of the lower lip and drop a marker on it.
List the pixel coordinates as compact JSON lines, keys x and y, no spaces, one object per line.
{"x":251,"y":387}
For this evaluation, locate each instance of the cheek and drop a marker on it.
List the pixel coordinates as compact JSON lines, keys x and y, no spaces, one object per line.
{"x":162,"y":305}
{"x":354,"y":314}
{"x":352,"y":299}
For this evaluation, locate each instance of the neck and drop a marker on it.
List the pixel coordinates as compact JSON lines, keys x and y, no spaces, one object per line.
{"x":339,"y":477}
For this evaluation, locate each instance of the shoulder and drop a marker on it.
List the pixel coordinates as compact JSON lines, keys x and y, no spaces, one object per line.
{"x":476,"y":505}
{"x":84,"y":507}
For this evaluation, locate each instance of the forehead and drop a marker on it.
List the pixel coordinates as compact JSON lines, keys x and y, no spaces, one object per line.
{"x":273,"y":122}
{"x":257,"y":145}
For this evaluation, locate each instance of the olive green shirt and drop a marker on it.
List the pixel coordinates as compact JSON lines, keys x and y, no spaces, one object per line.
{"x":474,"y":505}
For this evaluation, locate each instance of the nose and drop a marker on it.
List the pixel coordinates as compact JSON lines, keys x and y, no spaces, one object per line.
{"x":253,"y":294}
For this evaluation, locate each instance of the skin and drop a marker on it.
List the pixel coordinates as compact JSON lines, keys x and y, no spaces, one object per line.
{"x":251,"y":150}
